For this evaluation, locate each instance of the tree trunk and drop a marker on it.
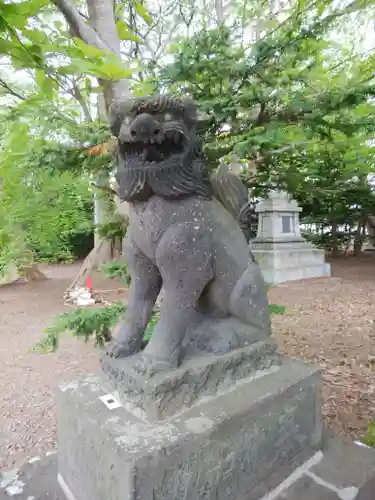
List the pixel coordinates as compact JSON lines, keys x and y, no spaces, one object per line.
{"x":100,"y":32}
{"x":219,"y":8}
{"x":371,"y":229}
{"x":360,"y":236}
{"x":102,"y":206}
{"x":102,"y":20}
{"x":334,"y":239}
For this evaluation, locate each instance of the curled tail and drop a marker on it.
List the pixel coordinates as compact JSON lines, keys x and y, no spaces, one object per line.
{"x":234,"y":196}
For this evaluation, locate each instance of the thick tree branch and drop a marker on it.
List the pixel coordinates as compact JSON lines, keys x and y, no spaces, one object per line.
{"x":102,"y":21}
{"x":76,"y":92}
{"x":100,"y":33}
{"x":104,"y":188}
{"x":77,"y":24}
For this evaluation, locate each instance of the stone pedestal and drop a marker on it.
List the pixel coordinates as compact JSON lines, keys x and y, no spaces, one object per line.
{"x":219,"y":446}
{"x":279,"y":249}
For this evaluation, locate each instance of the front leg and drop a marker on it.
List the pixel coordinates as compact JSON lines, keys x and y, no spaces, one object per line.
{"x":144,"y":289}
{"x":185,"y":262}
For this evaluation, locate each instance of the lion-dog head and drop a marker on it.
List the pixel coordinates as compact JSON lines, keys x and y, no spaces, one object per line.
{"x":159,"y":152}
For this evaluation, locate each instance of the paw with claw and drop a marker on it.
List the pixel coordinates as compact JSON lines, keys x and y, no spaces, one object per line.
{"x":147,"y":365}
{"x":118,"y":349}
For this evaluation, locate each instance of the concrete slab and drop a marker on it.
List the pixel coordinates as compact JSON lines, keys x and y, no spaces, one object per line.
{"x":34,"y":481}
{"x":38,"y":480}
{"x":356,"y":470}
{"x":342,"y":471}
{"x":306,"y":488}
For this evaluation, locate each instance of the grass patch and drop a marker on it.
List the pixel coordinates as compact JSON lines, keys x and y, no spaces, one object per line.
{"x":369,"y":438}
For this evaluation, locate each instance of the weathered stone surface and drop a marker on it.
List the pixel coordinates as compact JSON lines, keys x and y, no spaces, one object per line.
{"x":218,"y":450}
{"x":167,"y":393}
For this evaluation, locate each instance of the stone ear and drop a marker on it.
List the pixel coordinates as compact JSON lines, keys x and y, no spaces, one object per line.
{"x":190,"y":108}
{"x":117,"y":112}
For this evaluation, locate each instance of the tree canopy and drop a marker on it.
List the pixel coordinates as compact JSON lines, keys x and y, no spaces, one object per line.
{"x":289,"y":87}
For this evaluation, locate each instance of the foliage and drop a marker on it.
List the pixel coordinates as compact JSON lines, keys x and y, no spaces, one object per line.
{"x":89,"y":324}
{"x":116,"y":269}
{"x":51,"y":81}
{"x":296,"y":107}
{"x":115,"y":228}
{"x":44,"y":207}
{"x":47,"y":166}
{"x":263,"y":92}
{"x":151,"y":325}
{"x":369,"y":438}
{"x":277,"y":309}
{"x":85,"y":323}
{"x":55,"y":57}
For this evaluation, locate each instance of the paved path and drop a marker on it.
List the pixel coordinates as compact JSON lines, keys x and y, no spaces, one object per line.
{"x":344,"y":471}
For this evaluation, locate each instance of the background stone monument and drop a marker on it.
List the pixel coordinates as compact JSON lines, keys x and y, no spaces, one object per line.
{"x":279,"y":249}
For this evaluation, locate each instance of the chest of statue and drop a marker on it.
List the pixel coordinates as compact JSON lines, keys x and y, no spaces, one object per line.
{"x":150,"y":219}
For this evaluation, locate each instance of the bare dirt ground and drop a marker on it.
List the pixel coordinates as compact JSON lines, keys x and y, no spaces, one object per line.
{"x":329,"y":322}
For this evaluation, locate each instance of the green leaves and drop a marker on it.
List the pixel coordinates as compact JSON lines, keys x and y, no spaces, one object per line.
{"x":40,"y":196}
{"x":125,"y":33}
{"x":116,"y":269}
{"x":86,"y":50}
{"x":142,"y":11}
{"x":297,"y":104}
{"x":32,"y":38}
{"x":89,"y":60}
{"x":85,"y":323}
{"x":17,"y":14}
{"x":45,"y":83}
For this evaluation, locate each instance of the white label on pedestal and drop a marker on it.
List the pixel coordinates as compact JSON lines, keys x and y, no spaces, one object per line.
{"x":110,"y":401}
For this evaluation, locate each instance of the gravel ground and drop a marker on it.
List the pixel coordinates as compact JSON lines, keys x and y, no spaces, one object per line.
{"x":329,"y":322}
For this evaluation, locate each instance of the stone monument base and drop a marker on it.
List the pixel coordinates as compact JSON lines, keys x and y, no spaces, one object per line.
{"x":288,"y":261}
{"x":222,"y":448}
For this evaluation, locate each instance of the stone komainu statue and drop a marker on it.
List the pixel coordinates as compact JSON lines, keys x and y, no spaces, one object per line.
{"x":181,"y":237}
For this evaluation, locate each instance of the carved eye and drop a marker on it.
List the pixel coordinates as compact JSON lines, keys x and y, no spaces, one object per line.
{"x":167,"y":117}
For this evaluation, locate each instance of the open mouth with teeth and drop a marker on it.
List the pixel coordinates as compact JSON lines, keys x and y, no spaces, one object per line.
{"x":155,"y":150}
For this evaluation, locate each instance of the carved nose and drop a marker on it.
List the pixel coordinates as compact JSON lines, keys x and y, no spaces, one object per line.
{"x":144,"y":128}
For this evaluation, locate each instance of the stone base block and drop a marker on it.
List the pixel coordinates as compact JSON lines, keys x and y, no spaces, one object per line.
{"x":282,"y":262}
{"x":168,"y":393}
{"x":221,"y":449}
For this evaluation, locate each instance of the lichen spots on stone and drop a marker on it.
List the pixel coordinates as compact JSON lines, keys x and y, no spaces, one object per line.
{"x":149,"y":435}
{"x":199,"y":424}
{"x":112,"y":420}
